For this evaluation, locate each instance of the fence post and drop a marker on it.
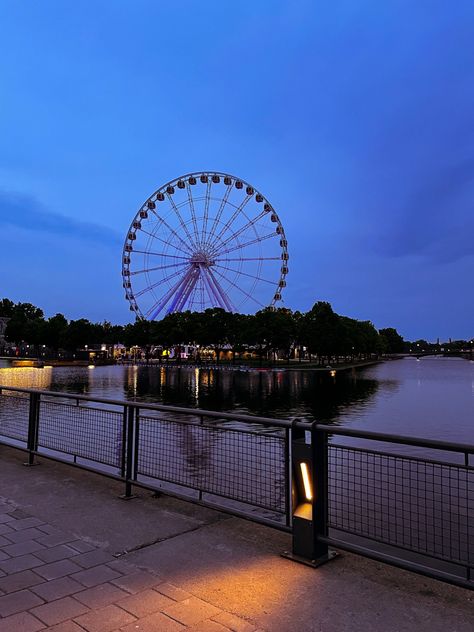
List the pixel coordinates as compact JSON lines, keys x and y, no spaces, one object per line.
{"x":33,"y":428}
{"x":129,"y":418}
{"x":309,"y":461}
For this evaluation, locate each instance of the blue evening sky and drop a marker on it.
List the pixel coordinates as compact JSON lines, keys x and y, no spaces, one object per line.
{"x":354,"y":118}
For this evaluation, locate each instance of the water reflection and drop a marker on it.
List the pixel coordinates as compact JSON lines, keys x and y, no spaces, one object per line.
{"x":266,"y":393}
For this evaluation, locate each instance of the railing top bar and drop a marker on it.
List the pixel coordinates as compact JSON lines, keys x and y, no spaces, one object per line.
{"x":267,"y":421}
{"x":449,"y":446}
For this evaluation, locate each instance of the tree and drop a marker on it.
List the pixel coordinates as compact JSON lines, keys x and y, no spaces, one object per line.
{"x":391,"y":340}
{"x":321,"y":330}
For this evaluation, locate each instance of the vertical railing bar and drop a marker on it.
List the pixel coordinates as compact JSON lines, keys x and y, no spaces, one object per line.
{"x":288,"y":477}
{"x":136,"y":443}
{"x":129,"y":461}
{"x":124,"y":441}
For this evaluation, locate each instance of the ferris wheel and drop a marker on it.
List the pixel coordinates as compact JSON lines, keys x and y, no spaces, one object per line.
{"x":206,"y":239}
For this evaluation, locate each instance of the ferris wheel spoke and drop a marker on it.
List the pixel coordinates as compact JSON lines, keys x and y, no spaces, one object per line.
{"x":171,"y":265}
{"x":181,"y":221}
{"x":163,"y":241}
{"x":249,"y":224}
{"x":252,"y":276}
{"x":161,"y":254}
{"x":240,"y":289}
{"x":163,"y":221}
{"x":193,"y":212}
{"x":250,"y":259}
{"x":248,"y":243}
{"x":206,"y":211}
{"x":217,"y":218}
{"x":158,"y":283}
{"x":232,"y":218}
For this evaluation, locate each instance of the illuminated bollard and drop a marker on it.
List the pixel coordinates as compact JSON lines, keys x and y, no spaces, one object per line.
{"x":309,"y":458}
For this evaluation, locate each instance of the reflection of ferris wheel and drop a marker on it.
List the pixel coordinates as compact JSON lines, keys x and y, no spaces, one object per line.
{"x":206,"y":239}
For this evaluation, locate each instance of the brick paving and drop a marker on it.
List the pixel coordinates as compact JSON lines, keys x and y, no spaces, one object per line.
{"x":50,"y":580}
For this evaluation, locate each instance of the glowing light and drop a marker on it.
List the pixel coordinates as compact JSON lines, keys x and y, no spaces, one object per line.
{"x":91,"y":366}
{"x":332,"y":373}
{"x":306,"y":482}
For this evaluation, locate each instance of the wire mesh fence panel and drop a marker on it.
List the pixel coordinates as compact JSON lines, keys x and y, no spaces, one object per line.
{"x":238,"y":465}
{"x":14,"y":415}
{"x":421,"y":506}
{"x":90,"y":433}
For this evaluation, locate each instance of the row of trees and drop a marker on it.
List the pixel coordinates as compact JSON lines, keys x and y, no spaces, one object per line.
{"x":321,"y":331}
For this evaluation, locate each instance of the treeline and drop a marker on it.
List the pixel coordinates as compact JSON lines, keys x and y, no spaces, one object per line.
{"x":320,"y":332}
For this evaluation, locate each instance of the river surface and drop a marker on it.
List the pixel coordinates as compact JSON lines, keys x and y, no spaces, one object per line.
{"x":430,"y":397}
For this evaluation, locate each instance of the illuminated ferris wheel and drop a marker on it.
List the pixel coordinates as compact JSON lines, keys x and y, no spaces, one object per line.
{"x":206,"y":239}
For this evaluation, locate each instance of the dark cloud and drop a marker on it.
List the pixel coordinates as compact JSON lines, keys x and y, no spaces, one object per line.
{"x":27,"y":213}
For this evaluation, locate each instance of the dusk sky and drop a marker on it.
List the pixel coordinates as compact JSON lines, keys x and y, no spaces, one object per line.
{"x":355,"y":119}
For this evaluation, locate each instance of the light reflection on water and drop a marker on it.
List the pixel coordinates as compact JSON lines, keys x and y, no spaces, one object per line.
{"x":431,"y":398}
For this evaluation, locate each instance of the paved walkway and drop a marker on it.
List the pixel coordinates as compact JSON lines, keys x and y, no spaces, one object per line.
{"x":74,"y":557}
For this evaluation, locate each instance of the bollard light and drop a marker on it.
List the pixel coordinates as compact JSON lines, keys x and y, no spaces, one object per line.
{"x":308,"y":502}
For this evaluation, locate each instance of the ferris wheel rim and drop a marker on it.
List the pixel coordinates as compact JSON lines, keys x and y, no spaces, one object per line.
{"x":203,"y":240}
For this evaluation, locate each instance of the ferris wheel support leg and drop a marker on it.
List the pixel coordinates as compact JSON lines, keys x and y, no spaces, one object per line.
{"x":225,"y":298}
{"x":183,"y":293}
{"x":211,"y":289}
{"x":161,"y":304}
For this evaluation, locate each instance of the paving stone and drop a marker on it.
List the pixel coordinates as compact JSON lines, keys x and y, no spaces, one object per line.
{"x":4,"y":556}
{"x":57,"y":588}
{"x":4,"y":541}
{"x":58,"y":569}
{"x":22,"y":548}
{"x":6,"y":518}
{"x":207,"y":626}
{"x":18,"y":581}
{"x":123,"y":567}
{"x":234,"y":623}
{"x":55,"y":539}
{"x":157,"y":622}
{"x":24,"y":534}
{"x":49,"y":529}
{"x":26,"y":523}
{"x":137,"y":581}
{"x":59,"y":610}
{"x":17,"y":564}
{"x":56,"y":553}
{"x":174,"y":593}
{"x":5,"y":529}
{"x":93,"y":558}
{"x":19,"y":514}
{"x":66,"y":626}
{"x":81,"y":546}
{"x":21,"y":622}
{"x":100,"y":596}
{"x":18,"y":601}
{"x":191,"y":611}
{"x":95,"y":575}
{"x":145,"y":602}
{"x":105,"y":619}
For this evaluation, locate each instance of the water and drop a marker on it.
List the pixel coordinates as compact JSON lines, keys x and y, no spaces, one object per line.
{"x":430,"y":397}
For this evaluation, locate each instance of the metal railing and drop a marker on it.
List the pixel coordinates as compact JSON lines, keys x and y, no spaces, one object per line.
{"x":412,"y":507}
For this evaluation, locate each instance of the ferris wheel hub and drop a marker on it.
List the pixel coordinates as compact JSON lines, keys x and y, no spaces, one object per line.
{"x":201,"y":259}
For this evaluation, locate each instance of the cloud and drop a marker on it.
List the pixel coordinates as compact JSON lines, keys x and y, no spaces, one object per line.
{"x":27,"y":213}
